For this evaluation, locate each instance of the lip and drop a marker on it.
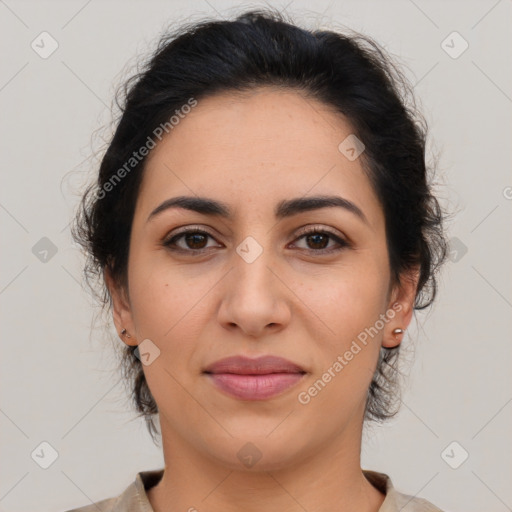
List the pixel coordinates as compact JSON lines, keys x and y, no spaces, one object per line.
{"x":254,"y":379}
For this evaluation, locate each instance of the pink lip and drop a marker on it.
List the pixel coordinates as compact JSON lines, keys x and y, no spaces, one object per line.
{"x":254,"y":379}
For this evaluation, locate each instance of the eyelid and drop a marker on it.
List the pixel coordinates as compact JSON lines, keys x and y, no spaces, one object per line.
{"x":185,"y":230}
{"x":313,"y":228}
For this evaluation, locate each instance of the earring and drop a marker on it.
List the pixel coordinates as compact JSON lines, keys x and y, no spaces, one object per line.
{"x":398,"y":331}
{"x":123,"y":333}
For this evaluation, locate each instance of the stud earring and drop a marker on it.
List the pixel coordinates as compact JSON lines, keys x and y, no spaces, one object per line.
{"x":123,"y":333}
{"x":398,"y":331}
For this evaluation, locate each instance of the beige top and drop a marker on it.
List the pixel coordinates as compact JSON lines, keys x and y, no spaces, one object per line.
{"x":135,"y":499}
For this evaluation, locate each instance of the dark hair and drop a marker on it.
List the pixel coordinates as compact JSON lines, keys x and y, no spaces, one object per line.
{"x":351,"y":74}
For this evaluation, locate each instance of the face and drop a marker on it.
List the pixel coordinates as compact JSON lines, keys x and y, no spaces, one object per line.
{"x":254,"y":284}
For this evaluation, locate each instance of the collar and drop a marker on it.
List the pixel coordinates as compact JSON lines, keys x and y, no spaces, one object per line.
{"x":135,"y":499}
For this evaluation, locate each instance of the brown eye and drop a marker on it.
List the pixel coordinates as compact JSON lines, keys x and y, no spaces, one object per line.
{"x":192,"y":240}
{"x":317,"y":241}
{"x":195,"y":240}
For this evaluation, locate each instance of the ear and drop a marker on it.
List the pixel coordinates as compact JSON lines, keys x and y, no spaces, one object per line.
{"x":121,"y":309}
{"x":401,"y":302}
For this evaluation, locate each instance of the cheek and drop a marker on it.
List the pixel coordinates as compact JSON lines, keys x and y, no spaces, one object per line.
{"x":167,"y":309}
{"x":169,"y":306}
{"x":159,"y":295}
{"x":347,"y":358}
{"x":351,"y":299}
{"x":351,"y":307}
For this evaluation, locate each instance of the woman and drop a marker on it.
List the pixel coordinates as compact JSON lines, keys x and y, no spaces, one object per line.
{"x":264,"y":227}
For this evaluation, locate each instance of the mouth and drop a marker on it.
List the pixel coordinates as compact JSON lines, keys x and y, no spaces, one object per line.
{"x":254,"y":379}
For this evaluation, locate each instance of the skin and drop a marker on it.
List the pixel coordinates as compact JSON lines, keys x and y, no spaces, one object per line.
{"x":251,"y":151}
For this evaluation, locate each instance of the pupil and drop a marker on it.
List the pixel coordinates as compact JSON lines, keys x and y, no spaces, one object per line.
{"x":195,"y":237}
{"x":317,"y":236}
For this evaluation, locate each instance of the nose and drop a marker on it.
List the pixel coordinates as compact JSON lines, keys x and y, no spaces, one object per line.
{"x":254,"y":297}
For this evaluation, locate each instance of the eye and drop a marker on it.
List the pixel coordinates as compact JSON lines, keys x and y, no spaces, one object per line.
{"x":319,"y":239}
{"x":193,"y":240}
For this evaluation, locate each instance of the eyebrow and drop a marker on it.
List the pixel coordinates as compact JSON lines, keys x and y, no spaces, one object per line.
{"x":285,"y":208}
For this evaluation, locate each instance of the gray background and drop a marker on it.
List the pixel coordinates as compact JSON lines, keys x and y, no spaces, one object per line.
{"x":59,"y":384}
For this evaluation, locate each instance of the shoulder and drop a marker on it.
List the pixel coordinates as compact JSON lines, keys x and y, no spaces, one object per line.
{"x":396,"y":501}
{"x":106,"y":505}
{"x":133,"y":499}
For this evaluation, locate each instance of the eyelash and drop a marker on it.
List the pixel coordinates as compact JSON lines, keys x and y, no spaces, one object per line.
{"x":315,"y":230}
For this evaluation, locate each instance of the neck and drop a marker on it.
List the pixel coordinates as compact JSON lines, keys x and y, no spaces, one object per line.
{"x":328,"y":479}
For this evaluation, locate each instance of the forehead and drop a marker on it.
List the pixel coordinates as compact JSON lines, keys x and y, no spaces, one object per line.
{"x":284,"y":123}
{"x":254,"y":147}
